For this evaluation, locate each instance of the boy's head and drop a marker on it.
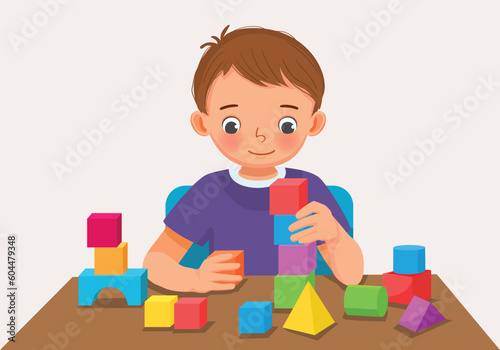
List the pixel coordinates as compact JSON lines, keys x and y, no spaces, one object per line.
{"x":258,"y":92}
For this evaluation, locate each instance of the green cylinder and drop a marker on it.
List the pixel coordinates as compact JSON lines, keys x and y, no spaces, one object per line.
{"x":369,"y":301}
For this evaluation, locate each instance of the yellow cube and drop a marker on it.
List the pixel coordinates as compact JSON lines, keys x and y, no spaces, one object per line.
{"x":159,"y":311}
{"x":111,"y":261}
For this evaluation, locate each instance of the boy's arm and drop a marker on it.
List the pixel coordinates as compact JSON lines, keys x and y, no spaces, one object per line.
{"x":342,"y":253}
{"x":164,"y":270}
{"x":346,"y":260}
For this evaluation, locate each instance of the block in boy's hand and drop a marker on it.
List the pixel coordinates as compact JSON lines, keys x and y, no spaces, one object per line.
{"x":287,"y":196}
{"x":282,"y":233}
{"x":237,"y":257}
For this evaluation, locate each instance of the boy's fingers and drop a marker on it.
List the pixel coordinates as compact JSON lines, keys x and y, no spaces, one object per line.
{"x":222,"y":277}
{"x":303,"y":223}
{"x":220,"y":258}
{"x":221,"y":286}
{"x":310,"y":238}
{"x":308,"y":209}
{"x":224,"y":267}
{"x":297,"y":236}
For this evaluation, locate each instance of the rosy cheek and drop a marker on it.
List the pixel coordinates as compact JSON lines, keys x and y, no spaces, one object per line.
{"x":287,"y":142}
{"x":230,"y":143}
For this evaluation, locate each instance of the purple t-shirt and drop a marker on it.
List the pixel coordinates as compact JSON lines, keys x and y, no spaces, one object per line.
{"x":231,"y":216}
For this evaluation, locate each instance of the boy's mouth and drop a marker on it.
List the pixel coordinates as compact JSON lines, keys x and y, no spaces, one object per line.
{"x":261,"y":154}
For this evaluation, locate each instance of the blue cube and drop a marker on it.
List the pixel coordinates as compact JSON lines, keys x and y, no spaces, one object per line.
{"x":409,"y":259}
{"x":281,"y":232}
{"x":255,"y":317}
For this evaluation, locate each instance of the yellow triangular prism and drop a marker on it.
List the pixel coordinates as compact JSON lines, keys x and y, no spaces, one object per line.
{"x":309,"y":315}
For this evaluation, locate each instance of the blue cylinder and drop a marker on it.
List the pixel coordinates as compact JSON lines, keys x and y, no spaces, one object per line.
{"x":409,"y":259}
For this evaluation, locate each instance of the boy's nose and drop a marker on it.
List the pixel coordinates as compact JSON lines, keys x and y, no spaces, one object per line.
{"x":260,"y":135}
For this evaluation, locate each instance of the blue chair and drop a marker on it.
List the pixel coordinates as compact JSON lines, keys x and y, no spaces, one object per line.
{"x":196,"y":254}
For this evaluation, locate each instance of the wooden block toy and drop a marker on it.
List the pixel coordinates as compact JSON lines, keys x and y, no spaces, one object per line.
{"x":309,"y":315}
{"x":190,"y":313}
{"x":133,"y":284}
{"x":104,"y":230}
{"x":111,"y":261}
{"x":287,"y":196}
{"x":409,"y":259}
{"x":371,"y":301}
{"x":297,"y":259}
{"x":287,"y":289}
{"x":420,"y":314}
{"x":281,"y":232}
{"x":159,"y":311}
{"x":238,"y":257}
{"x":402,"y":288}
{"x":255,"y":317}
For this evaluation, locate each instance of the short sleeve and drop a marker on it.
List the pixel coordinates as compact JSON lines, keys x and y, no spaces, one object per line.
{"x":191,"y":217}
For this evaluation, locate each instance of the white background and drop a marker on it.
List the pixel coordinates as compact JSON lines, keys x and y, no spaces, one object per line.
{"x":428,"y":58}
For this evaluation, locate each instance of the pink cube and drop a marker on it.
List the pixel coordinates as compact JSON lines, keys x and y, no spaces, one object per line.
{"x":104,"y":230}
{"x":287,"y":196}
{"x":296,"y":259}
{"x":190,"y":313}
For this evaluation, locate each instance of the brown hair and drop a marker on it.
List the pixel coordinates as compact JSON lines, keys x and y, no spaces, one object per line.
{"x":261,"y":56}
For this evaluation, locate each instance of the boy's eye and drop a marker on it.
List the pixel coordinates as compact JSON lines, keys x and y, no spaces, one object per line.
{"x":287,"y":125}
{"x":231,"y":125}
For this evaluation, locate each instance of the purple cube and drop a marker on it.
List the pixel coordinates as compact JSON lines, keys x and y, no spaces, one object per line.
{"x":296,"y":259}
{"x":104,"y":230}
{"x":420,"y":314}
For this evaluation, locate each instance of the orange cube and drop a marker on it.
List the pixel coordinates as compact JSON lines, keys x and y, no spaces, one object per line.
{"x":111,"y":261}
{"x":238,"y":257}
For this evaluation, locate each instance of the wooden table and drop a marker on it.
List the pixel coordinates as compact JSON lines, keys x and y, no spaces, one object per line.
{"x":109,"y":323}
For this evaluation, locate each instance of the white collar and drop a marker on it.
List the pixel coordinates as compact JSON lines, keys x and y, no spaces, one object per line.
{"x":234,"y":173}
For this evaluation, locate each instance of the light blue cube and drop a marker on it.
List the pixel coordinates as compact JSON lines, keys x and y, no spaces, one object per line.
{"x":281,"y":232}
{"x":409,"y":259}
{"x":255,"y":317}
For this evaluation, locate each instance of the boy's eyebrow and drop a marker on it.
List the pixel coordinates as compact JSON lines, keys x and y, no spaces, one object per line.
{"x":228,"y":106}
{"x":289,"y":106}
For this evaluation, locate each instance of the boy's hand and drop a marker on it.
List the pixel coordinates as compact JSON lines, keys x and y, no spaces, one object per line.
{"x":324,"y":227}
{"x":210,"y":278}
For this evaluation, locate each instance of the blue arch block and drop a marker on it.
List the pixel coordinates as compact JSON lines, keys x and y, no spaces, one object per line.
{"x":133,"y":284}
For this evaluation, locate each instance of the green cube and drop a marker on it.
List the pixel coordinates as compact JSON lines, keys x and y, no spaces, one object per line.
{"x":287,"y":289}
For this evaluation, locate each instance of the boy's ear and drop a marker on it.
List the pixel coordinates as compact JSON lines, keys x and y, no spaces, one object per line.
{"x":198,"y":123}
{"x":318,"y":120}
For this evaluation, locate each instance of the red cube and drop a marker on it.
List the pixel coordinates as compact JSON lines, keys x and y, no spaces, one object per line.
{"x":287,"y":196}
{"x":104,"y":230}
{"x":402,"y":288}
{"x":190,"y":313}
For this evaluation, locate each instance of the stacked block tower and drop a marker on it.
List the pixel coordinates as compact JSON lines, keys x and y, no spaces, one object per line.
{"x":294,"y":286}
{"x":409,"y":277}
{"x":104,"y":234}
{"x":296,"y":261}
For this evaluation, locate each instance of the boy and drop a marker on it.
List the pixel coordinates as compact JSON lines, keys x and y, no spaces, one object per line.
{"x":258,"y":94}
